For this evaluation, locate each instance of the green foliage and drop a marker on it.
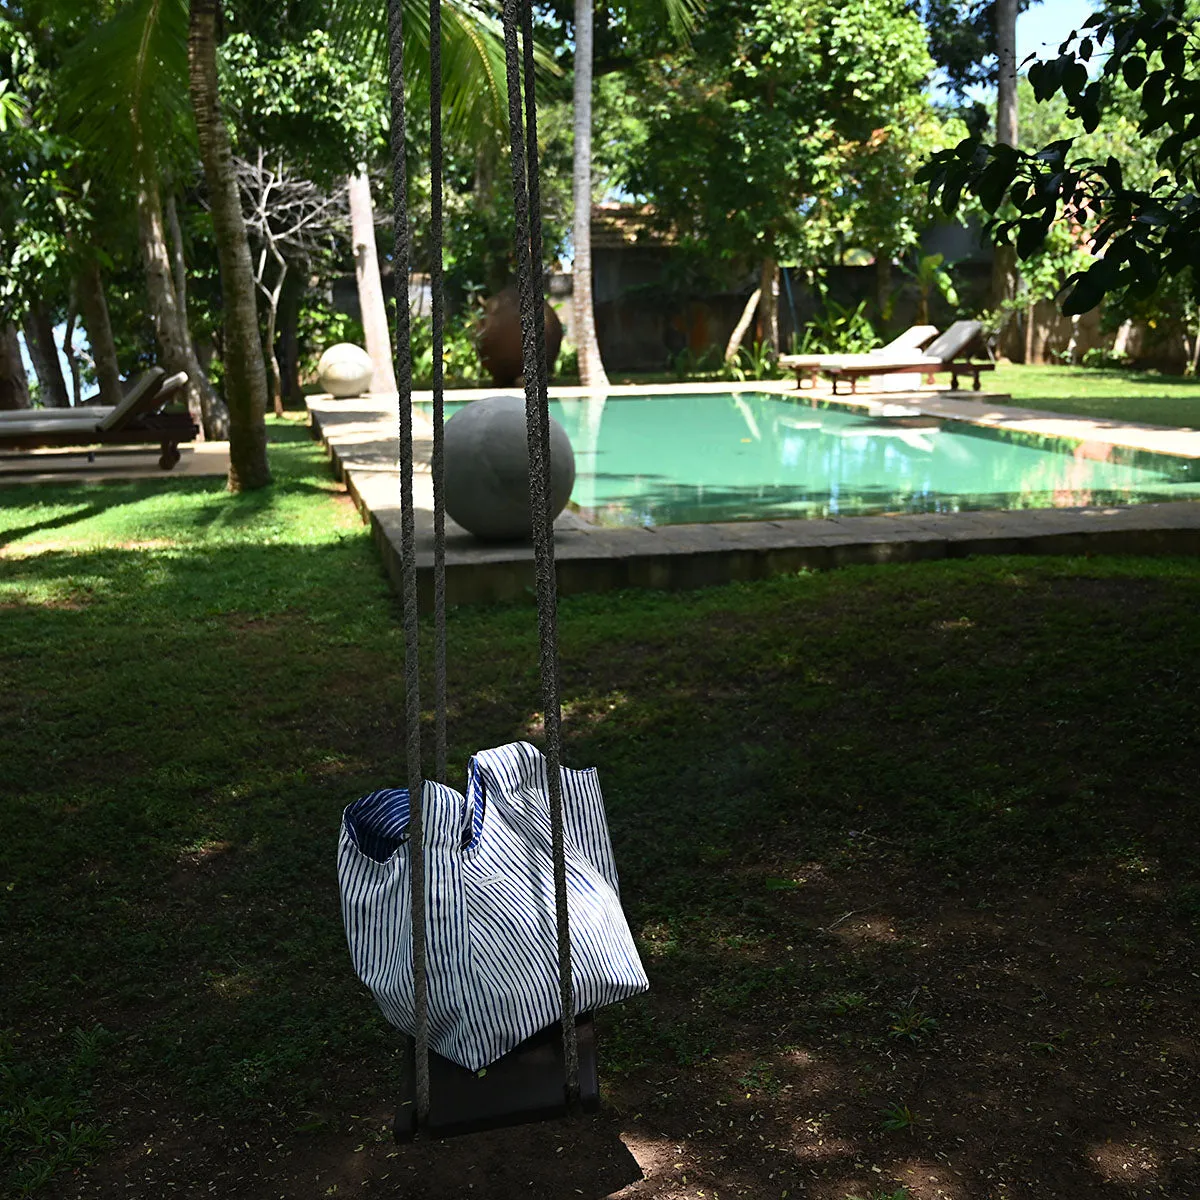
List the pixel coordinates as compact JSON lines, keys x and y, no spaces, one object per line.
{"x":45,"y":1110}
{"x":306,"y":101}
{"x":1139,"y":232}
{"x":837,"y":329}
{"x":320,"y":327}
{"x":758,"y":361}
{"x":910,"y":1025}
{"x":897,"y":1118}
{"x":842,"y":1004}
{"x":46,"y":204}
{"x":460,"y":358}
{"x":932,"y":275}
{"x":757,"y":134}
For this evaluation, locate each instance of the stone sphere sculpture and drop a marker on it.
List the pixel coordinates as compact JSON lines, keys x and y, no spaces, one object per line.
{"x":345,"y":370}
{"x":499,"y":338}
{"x":487,"y":469}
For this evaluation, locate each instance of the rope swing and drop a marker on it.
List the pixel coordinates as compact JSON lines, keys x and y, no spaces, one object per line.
{"x":519,"y":59}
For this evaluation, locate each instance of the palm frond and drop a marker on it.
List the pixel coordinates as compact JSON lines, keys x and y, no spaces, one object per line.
{"x":124,"y":88}
{"x":473,"y":78}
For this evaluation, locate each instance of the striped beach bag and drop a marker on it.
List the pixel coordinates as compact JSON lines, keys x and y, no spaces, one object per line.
{"x":492,"y":944}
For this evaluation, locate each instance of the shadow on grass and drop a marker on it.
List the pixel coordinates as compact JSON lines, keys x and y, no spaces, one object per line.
{"x":896,"y":840}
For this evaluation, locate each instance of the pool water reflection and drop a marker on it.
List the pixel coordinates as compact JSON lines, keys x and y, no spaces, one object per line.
{"x":665,"y":460}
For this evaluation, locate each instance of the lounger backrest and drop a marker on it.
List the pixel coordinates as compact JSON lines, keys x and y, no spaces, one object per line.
{"x":911,"y":339}
{"x":148,"y":395}
{"x":954,"y":341}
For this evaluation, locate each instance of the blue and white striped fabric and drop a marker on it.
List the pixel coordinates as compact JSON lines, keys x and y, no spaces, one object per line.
{"x":492,"y":940}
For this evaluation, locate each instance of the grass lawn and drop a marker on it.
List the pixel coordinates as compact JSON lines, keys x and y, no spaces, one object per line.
{"x":909,"y":852}
{"x":1139,"y":396}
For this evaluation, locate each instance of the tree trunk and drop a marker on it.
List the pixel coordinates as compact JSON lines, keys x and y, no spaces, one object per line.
{"x":768,"y":308}
{"x":883,"y":285}
{"x":289,"y":335}
{"x":1006,"y":72}
{"x":370,"y":287}
{"x":89,"y":289}
{"x":583,"y":317}
{"x":245,"y":374}
{"x":160,"y":288}
{"x":1121,"y":341}
{"x":214,"y":416}
{"x":43,"y":351}
{"x":1073,"y":344}
{"x":14,"y":383}
{"x":1004,"y":261}
{"x":274,"y":376}
{"x":70,"y":355}
{"x":178,"y":262}
{"x":1029,"y":322}
{"x":739,"y":330}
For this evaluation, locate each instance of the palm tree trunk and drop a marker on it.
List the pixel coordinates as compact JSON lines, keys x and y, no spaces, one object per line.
{"x":245,"y":374}
{"x":14,"y":383}
{"x":583,"y":319}
{"x":370,"y":287}
{"x":39,"y":340}
{"x":214,"y":416}
{"x":89,"y":290}
{"x":1004,"y":260}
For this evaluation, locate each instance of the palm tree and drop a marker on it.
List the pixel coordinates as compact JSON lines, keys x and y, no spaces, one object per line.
{"x":681,"y":16}
{"x":245,"y":370}
{"x":138,"y":82}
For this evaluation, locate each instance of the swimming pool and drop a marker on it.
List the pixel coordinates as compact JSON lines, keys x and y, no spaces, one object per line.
{"x":669,"y":460}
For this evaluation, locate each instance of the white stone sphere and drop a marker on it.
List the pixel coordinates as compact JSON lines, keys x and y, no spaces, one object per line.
{"x":487,"y":468}
{"x":345,"y":370}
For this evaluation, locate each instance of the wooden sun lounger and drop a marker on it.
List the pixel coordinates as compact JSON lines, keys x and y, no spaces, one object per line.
{"x":810,"y":366}
{"x":136,"y":420}
{"x":927,"y":369}
{"x":946,"y":353}
{"x":147,"y":385}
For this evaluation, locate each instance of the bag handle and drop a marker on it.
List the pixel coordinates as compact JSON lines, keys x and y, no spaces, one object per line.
{"x":475,"y":804}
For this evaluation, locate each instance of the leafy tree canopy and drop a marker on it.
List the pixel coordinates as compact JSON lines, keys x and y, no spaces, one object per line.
{"x":777,"y":104}
{"x":1141,"y":220}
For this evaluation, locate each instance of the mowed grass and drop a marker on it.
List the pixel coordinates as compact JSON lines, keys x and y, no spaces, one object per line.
{"x":1148,"y":397}
{"x":193,"y":685}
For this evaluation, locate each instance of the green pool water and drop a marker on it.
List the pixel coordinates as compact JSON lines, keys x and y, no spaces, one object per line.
{"x":668,"y":460}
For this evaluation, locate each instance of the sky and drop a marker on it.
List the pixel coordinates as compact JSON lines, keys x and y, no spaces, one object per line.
{"x":1041,"y":28}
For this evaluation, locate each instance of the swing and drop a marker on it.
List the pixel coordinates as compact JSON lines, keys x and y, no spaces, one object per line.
{"x":553,"y":1072}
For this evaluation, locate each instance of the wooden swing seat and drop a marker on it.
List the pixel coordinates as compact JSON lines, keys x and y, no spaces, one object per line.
{"x":526,"y":1085}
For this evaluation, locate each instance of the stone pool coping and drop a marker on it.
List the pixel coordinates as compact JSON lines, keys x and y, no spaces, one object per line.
{"x":360,"y":435}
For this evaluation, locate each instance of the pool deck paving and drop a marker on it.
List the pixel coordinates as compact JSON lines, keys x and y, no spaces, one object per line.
{"x":105,"y":464}
{"x":361,"y":437}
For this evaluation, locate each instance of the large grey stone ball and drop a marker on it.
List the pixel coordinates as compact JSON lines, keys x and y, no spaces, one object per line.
{"x":487,"y":468}
{"x":345,"y":370}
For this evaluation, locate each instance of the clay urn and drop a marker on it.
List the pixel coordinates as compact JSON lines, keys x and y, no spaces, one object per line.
{"x":499,"y":338}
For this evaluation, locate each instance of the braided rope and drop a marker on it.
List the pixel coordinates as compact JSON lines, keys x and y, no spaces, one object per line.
{"x":528,"y":227}
{"x":408,"y":554}
{"x":437,"y":294}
